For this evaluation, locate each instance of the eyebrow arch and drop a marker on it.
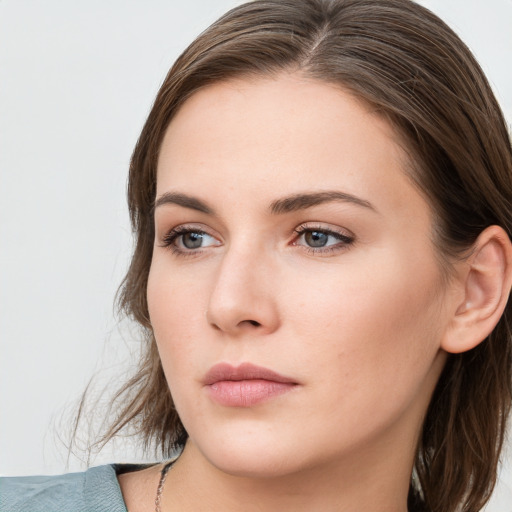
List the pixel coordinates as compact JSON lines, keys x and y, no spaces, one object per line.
{"x":281,"y":206}
{"x":182,"y":200}
{"x":308,"y":200}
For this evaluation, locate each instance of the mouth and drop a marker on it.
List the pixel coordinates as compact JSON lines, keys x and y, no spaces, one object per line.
{"x":245,"y":385}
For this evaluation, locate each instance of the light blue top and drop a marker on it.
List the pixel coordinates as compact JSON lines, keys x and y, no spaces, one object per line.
{"x":94,"y":490}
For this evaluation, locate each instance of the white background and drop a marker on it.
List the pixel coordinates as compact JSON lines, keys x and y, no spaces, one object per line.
{"x":76,"y":82}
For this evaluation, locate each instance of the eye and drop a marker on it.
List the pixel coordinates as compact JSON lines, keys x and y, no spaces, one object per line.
{"x":193,"y":240}
{"x":183,"y":240}
{"x":320,"y":239}
{"x":317,"y":238}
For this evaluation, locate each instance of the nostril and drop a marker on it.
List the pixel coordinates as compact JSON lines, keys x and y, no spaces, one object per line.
{"x":254,"y":323}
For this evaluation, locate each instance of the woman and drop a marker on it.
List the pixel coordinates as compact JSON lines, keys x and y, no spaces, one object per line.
{"x":321,"y":198}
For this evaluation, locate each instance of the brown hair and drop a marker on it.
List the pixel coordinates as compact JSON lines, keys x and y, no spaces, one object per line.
{"x":405,"y":62}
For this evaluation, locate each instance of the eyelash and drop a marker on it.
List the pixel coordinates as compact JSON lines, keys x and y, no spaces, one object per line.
{"x":169,"y":240}
{"x":344,"y":240}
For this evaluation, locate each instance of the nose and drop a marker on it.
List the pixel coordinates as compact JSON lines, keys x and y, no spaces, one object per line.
{"x":243,"y":298}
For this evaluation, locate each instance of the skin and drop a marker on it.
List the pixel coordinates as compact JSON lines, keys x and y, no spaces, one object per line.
{"x":359,"y":324}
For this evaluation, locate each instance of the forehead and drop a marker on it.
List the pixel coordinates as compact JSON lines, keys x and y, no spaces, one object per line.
{"x":278,"y":111}
{"x":290,"y":131}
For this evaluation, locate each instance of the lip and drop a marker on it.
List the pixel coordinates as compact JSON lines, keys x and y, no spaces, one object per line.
{"x":245,"y":385}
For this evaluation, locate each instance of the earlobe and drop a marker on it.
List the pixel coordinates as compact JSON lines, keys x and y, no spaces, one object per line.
{"x":487,"y":280}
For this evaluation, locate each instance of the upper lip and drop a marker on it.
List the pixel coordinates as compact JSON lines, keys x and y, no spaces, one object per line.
{"x":245,"y":371}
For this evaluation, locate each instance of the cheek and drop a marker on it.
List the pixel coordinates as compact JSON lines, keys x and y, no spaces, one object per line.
{"x":174,"y":310}
{"x":174,"y":315}
{"x":366,"y":327}
{"x":371,"y":331}
{"x":177,"y":299}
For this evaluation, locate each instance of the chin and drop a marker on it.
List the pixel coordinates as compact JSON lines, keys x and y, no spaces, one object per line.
{"x":251,"y":456}
{"x":254,"y":467}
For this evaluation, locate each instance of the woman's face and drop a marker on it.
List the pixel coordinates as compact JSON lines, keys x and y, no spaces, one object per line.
{"x":295,"y":295}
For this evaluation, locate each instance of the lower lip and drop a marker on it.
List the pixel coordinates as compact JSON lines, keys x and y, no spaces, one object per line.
{"x":246,"y":393}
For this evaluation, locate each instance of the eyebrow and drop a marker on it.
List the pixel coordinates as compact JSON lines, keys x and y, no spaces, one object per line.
{"x":308,"y":200}
{"x":281,"y":206}
{"x":183,"y":200}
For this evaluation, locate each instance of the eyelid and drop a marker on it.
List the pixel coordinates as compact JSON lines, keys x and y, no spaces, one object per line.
{"x":345,"y":238}
{"x":167,"y":241}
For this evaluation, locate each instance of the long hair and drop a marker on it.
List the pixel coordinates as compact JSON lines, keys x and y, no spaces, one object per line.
{"x":410,"y":67}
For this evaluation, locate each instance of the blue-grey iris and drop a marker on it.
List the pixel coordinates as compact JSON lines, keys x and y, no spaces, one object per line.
{"x":316,"y":238}
{"x":192,"y":240}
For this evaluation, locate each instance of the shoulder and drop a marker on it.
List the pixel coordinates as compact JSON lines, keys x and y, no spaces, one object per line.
{"x":94,"y":490}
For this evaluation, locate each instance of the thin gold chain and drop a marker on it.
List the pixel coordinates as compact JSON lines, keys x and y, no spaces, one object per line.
{"x":160,"y":489}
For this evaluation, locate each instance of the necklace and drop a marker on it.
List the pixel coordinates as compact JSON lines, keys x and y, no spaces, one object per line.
{"x":160,"y":488}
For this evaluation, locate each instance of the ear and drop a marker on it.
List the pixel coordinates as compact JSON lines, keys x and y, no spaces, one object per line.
{"x":486,"y":279}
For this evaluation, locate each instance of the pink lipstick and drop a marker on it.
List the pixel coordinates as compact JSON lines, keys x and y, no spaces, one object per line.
{"x":245,"y":385}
